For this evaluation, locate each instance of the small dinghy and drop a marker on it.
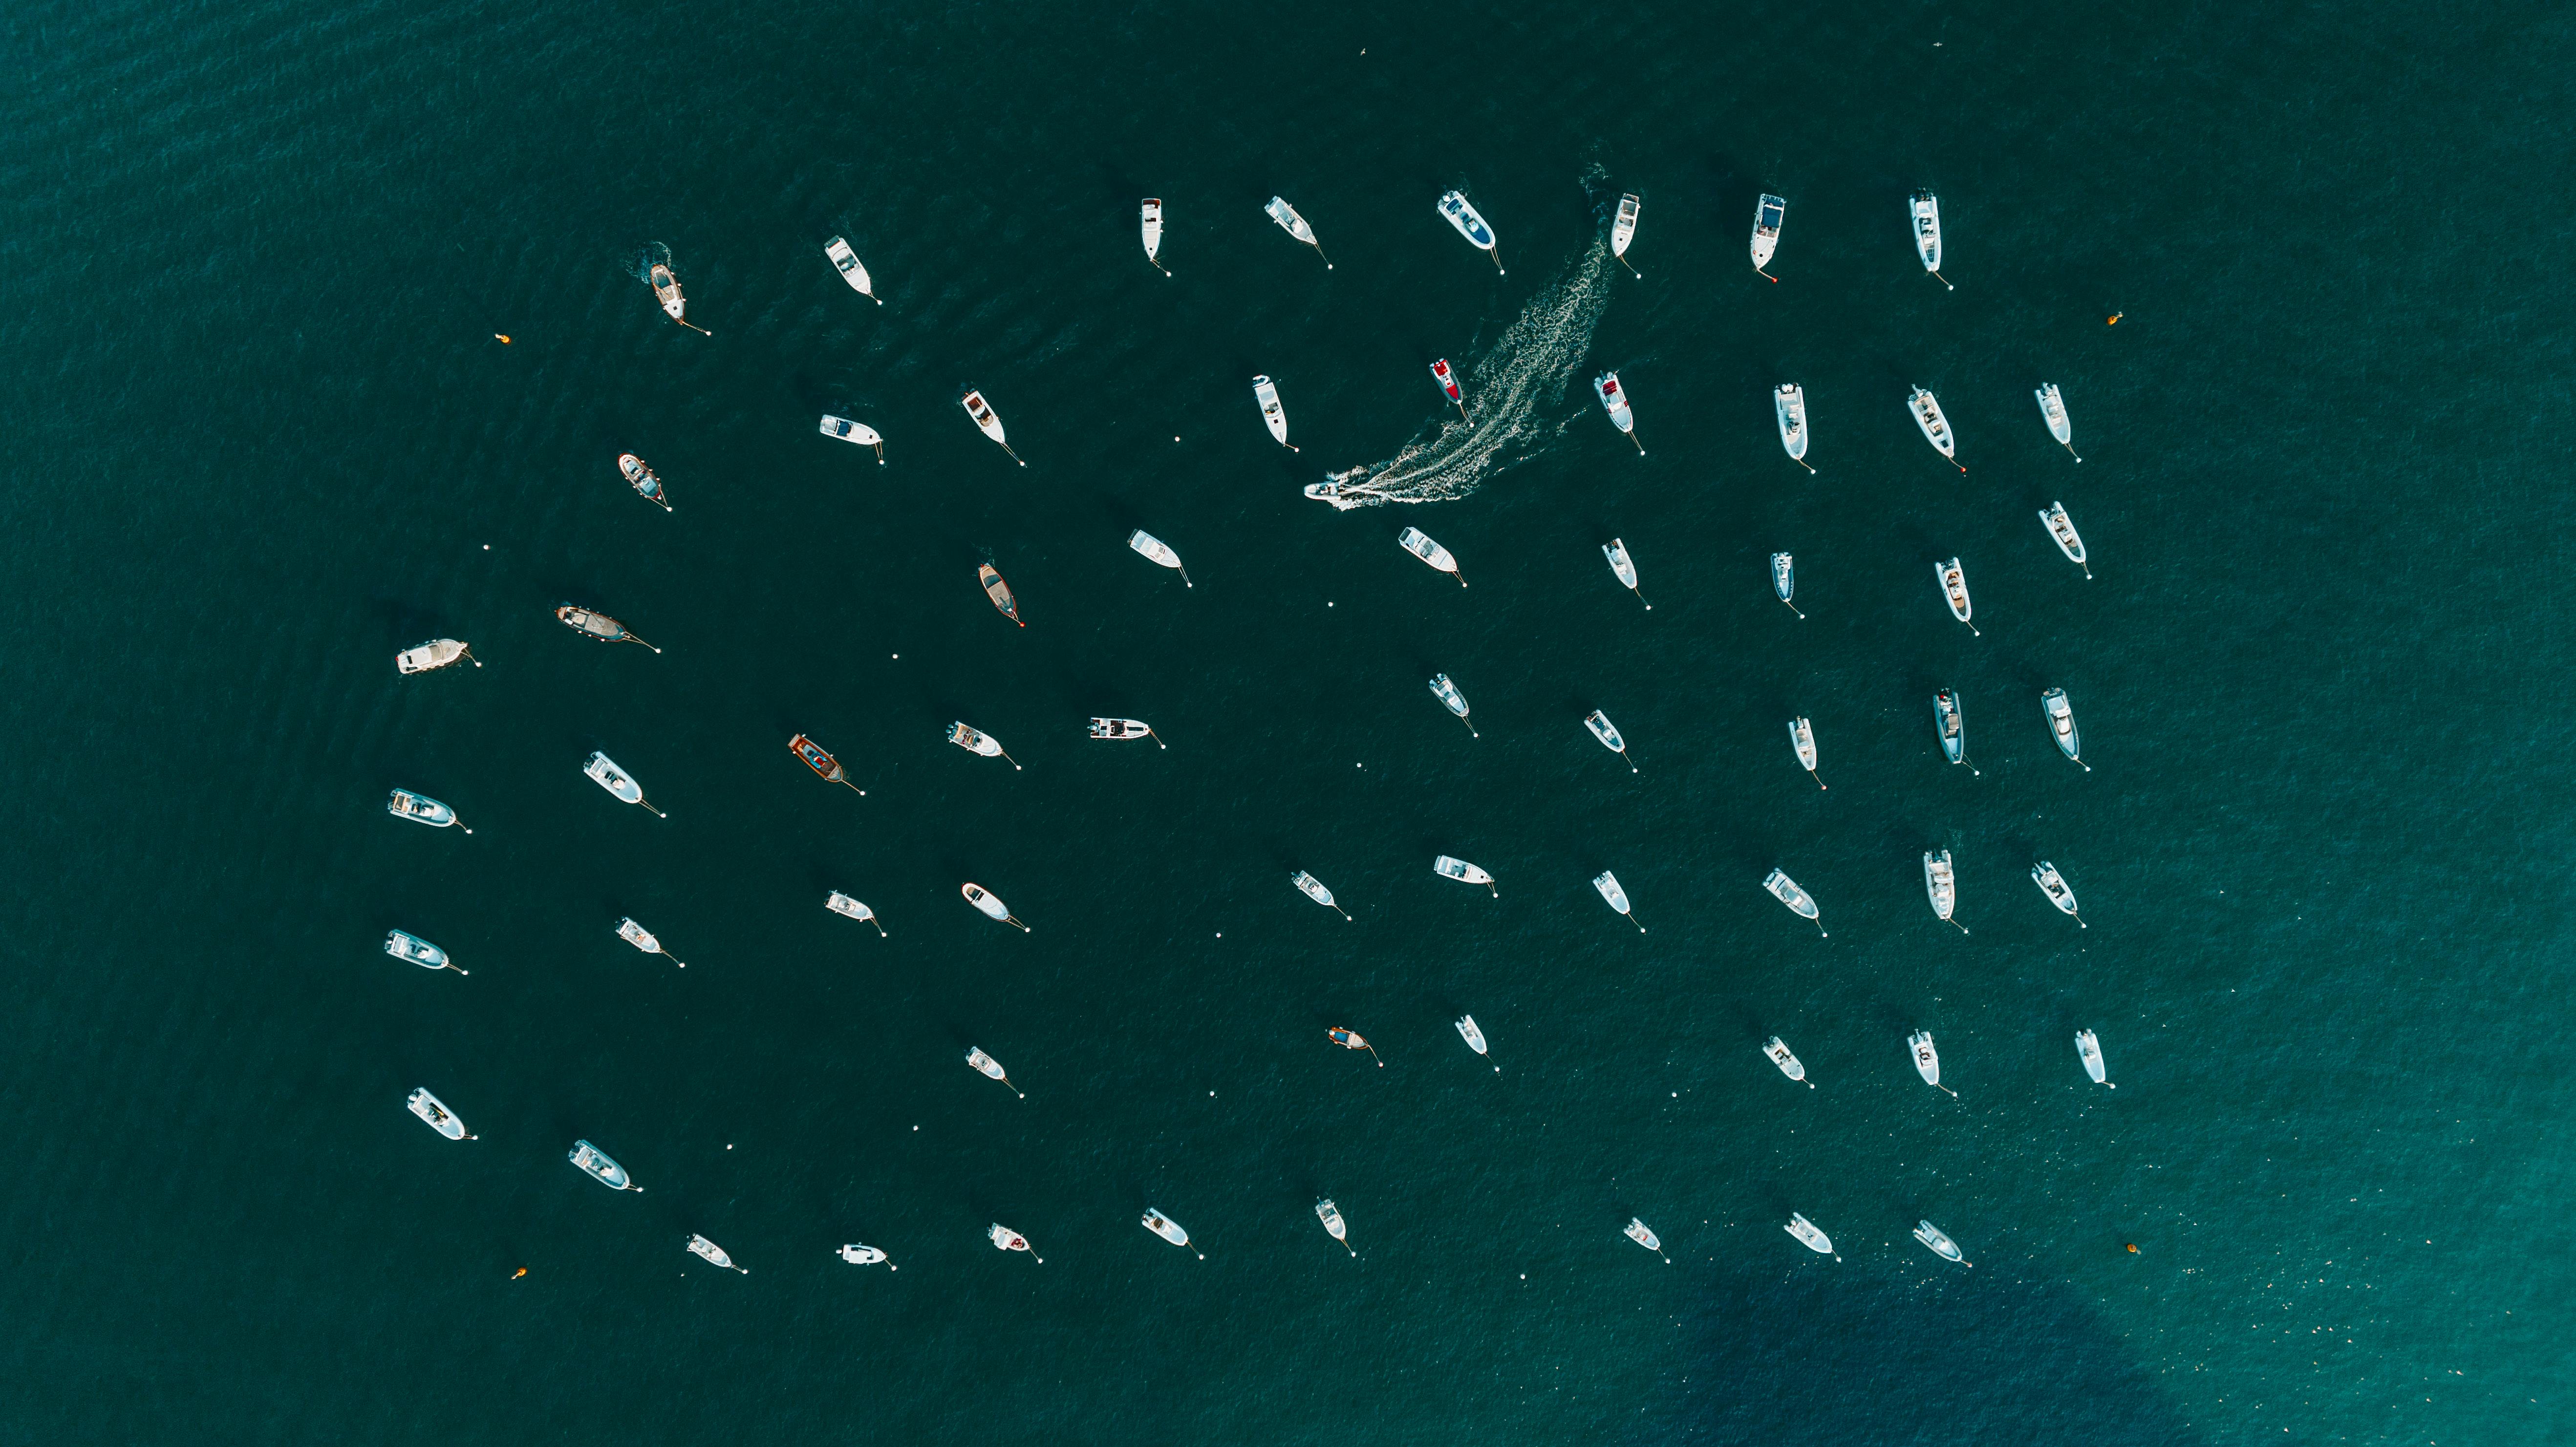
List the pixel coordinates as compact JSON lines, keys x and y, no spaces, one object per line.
{"x":1475,"y":1037}
{"x":604,"y":772}
{"x":989,"y":421}
{"x":1295,"y":225}
{"x":702,"y":1247}
{"x":825,"y":767}
{"x":1952,"y":726}
{"x":1331,"y":1216}
{"x":1926,"y":215}
{"x":415,"y":950}
{"x":1460,"y":870}
{"x":1784,"y":581}
{"x":2089,"y":1050}
{"x":1274,"y":416}
{"x":1954,"y":588}
{"x":1126,"y":728}
{"x":1789,"y":409}
{"x":1161,"y":552}
{"x":1786,"y":890}
{"x":591,"y":624}
{"x":1170,"y":1230}
{"x":643,"y":939}
{"x":1624,"y":568}
{"x":842,"y":904}
{"x":1451,"y":699}
{"x":1614,"y":400}
{"x":858,"y":1254}
{"x":666,"y":288}
{"x":1418,"y":543}
{"x":421,"y":809}
{"x":1941,"y":882}
{"x":1802,"y":742}
{"x":999,"y":592}
{"x":1638,"y":1231}
{"x":990,"y":904}
{"x":1940,"y":1242}
{"x":846,"y":262}
{"x":1448,"y":380}
{"x":1808,"y":1236}
{"x":643,"y":479}
{"x":1313,"y":888}
{"x":1779,"y":1054}
{"x":1608,"y":733}
{"x":1607,"y":884}
{"x":1350,"y":1039}
{"x":596,"y":1163}
{"x":991,"y":1068}
{"x":975,"y":741}
{"x":1767,"y":215}
{"x":1453,"y":205}
{"x":1006,"y":1239}
{"x":2052,"y":408}
{"x":434,"y":1111}
{"x":1150,"y":221}
{"x":2061,"y":725}
{"x":436,"y":653}
{"x":1623,"y":229}
{"x":1927,"y":1061}
{"x":2061,"y":527}
{"x":2053,"y":884}
{"x":855,"y":434}
{"x":1936,"y":428}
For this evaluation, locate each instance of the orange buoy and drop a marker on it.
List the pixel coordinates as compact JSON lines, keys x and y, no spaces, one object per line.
{"x":522,"y":1271}
{"x":2133,"y":1248}
{"x":2112,"y":320}
{"x":502,"y":338}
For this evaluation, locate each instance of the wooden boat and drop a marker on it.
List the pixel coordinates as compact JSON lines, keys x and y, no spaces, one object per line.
{"x":1802,"y":742}
{"x":854,"y":433}
{"x":846,"y":261}
{"x":1170,"y":1230}
{"x":591,"y":624}
{"x":1448,"y":380}
{"x":1768,"y":212}
{"x":1451,"y":699}
{"x":1779,"y":1054}
{"x":666,"y":288}
{"x":1941,"y":882}
{"x":1295,"y":225}
{"x":1936,"y":428}
{"x":1273,"y":415}
{"x":1454,"y":206}
{"x":1155,"y":548}
{"x":644,"y":940}
{"x":1474,"y":1036}
{"x":436,"y":653}
{"x":1624,"y":568}
{"x":1784,"y":581}
{"x":1786,"y":890}
{"x":412,"y":949}
{"x":825,"y":767}
{"x":1614,"y":400}
{"x":702,"y":1247}
{"x":620,"y":784}
{"x":2052,"y":409}
{"x":1418,"y":543}
{"x":1608,"y":733}
{"x":988,"y":420}
{"x":1458,"y":869}
{"x":1808,"y":1236}
{"x":1607,"y":886}
{"x":439,"y":1118}
{"x":999,"y":592}
{"x":976,"y":741}
{"x":596,"y":1164}
{"x":1623,"y":229}
{"x":2061,"y":725}
{"x":1126,"y":728}
{"x":991,"y":1068}
{"x":1350,"y":1039}
{"x":1638,"y":1231}
{"x":1789,"y":410}
{"x":421,"y":809}
{"x":1940,"y":1242}
{"x":643,"y":479}
{"x":2089,"y":1050}
{"x":2061,"y":527}
{"x":1313,"y":888}
{"x":1952,"y":725}
{"x":2054,"y":885}
{"x":1150,"y":219}
{"x":1006,"y":1239}
{"x":1925,"y":212}
{"x":859,"y":1254}
{"x":1927,"y":1061}
{"x":841,"y":904}
{"x":990,"y":904}
{"x":1331,"y":1216}
{"x":1954,"y":588}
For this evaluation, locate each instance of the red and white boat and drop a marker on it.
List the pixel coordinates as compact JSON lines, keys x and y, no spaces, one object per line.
{"x":823,"y":764}
{"x":1448,"y":380}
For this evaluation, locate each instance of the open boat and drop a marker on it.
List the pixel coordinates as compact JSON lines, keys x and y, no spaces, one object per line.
{"x":1161,"y":552}
{"x":1274,"y":416}
{"x":988,"y":420}
{"x":1170,"y":1230}
{"x":1006,"y":1239}
{"x":666,"y":289}
{"x":1453,"y":205}
{"x":2052,"y":409}
{"x":411,"y":948}
{"x":1927,"y":1061}
{"x":992,"y":1068}
{"x":436,"y":653}
{"x":1779,"y":1054}
{"x":1295,"y":225}
{"x":854,"y":433}
{"x":2089,"y":1050}
{"x":1638,"y":1231}
{"x":842,"y":904}
{"x":1808,"y":1236}
{"x":644,"y":940}
{"x":702,"y":1247}
{"x":420,"y":809}
{"x":1786,"y":890}
{"x":1474,"y":1036}
{"x":591,"y":624}
{"x":825,"y":767}
{"x":1451,"y":699}
{"x":1350,"y":1039}
{"x":2061,"y":527}
{"x":1954,"y":588}
{"x":1418,"y":543}
{"x":1331,"y":1216}
{"x":1936,"y":428}
{"x":1460,"y":870}
{"x":1608,"y":733}
{"x":1789,"y":409}
{"x":1313,"y":888}
{"x":1614,"y":400}
{"x":1952,"y":725}
{"x":1607,"y":886}
{"x":990,"y":904}
{"x":2061,"y":725}
{"x":1802,"y":742}
{"x":1623,"y":229}
{"x":846,"y":262}
{"x":1126,"y":728}
{"x":859,"y":1254}
{"x":1624,"y":568}
{"x":1767,"y":214}
{"x":643,"y":479}
{"x":2054,"y":885}
{"x":1150,"y":221}
{"x":1940,"y":1242}
{"x":1000,"y":592}
{"x":1941,"y":883}
{"x":596,"y":1163}
{"x":976,"y":741}
{"x":440,"y":1119}
{"x":1784,"y":580}
{"x":1448,"y":380}
{"x":1925,"y":213}
{"x":604,"y":772}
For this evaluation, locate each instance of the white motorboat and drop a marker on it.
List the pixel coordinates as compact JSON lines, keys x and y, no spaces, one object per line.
{"x":1273,"y":416}
{"x":1940,"y":1242}
{"x":1614,"y":400}
{"x":2054,"y":885}
{"x":1941,"y":882}
{"x":2089,"y":1049}
{"x":1789,"y":409}
{"x":990,"y":904}
{"x":1623,"y":230}
{"x":1808,"y":1236}
{"x":2061,"y":725}
{"x":666,"y":289}
{"x":859,"y":1254}
{"x":595,"y":1163}
{"x":1786,"y":890}
{"x":604,"y":772}
{"x":841,"y":904}
{"x":1447,"y":377}
{"x":1767,"y":215}
{"x":1784,"y":580}
{"x":2052,"y":408}
{"x":412,"y":949}
{"x":854,"y":433}
{"x":1953,"y":728}
{"x":1936,"y":428}
{"x":1779,"y":1054}
{"x":1155,"y":549}
{"x":1638,"y":1231}
{"x":1927,"y":1061}
{"x":1616,"y":897}
{"x":1170,"y":1230}
{"x":1954,"y":588}
{"x":1350,"y":1039}
{"x":439,"y":1118}
{"x":1295,"y":225}
{"x":1150,"y":220}
{"x":1475,"y":1037}
{"x":1126,"y":728}
{"x":1458,"y":869}
{"x":644,"y":480}
{"x":1331,"y":1216}
{"x":421,"y":809}
{"x":988,"y":421}
{"x":846,"y":262}
{"x":1006,"y":1239}
{"x":1624,"y":568}
{"x":644,"y":939}
{"x":975,"y":741}
{"x":1454,"y":206}
{"x":1609,"y":735}
{"x":1802,"y":742}
{"x":1926,"y":215}
{"x":991,"y":1067}
{"x":436,"y":653}
{"x":1313,"y":888}
{"x":2061,"y":527}
{"x":1451,"y":699}
{"x":702,"y":1247}
{"x":598,"y":626}
{"x":1418,"y":543}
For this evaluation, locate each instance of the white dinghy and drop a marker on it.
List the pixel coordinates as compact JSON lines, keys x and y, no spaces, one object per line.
{"x":1452,"y":700}
{"x":1936,"y":427}
{"x":1940,"y":1242}
{"x":1802,"y":742}
{"x":666,"y":289}
{"x":2052,"y":408}
{"x":841,"y":904}
{"x":1779,"y":1054}
{"x":1454,"y":206}
{"x":1786,"y":890}
{"x":1331,"y":1216}
{"x":436,"y":653}
{"x":2061,"y":527}
{"x":1155,"y":549}
{"x":620,"y":784}
{"x":422,"y":809}
{"x":846,"y":262}
{"x":1789,"y":409}
{"x":988,"y":422}
{"x":1006,"y":1239}
{"x":1609,"y":735}
{"x":1126,"y":728}
{"x":1624,"y":568}
{"x":1418,"y":543}
{"x":854,"y":433}
{"x":1170,"y":1230}
{"x":975,"y":741}
{"x":860,"y":1254}
{"x":2061,"y":725}
{"x":2089,"y":1050}
{"x":1274,"y":416}
{"x":1941,"y":882}
{"x":1784,"y":581}
{"x":2059,"y":892}
{"x":1952,"y":726}
{"x":991,"y":1068}
{"x":1638,"y":1231}
{"x":1295,"y":225}
{"x":595,"y":1163}
{"x":1623,"y":230}
{"x":1150,"y":219}
{"x":412,"y":949}
{"x":1617,"y":898}
{"x":1767,"y":215}
{"x":1448,"y":867}
{"x":1313,"y":888}
{"x":702,"y":1247}
{"x":1809,"y":1237}
{"x":1954,"y":589}
{"x":1927,"y":1061}
{"x":1614,"y":400}
{"x":439,"y":1118}
{"x":1925,"y":212}
{"x":1475,"y":1037}
{"x":645,"y":940}
{"x":989,"y":905}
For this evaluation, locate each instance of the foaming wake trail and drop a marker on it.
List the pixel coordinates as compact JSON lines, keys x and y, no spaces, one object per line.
{"x":1523,"y":371}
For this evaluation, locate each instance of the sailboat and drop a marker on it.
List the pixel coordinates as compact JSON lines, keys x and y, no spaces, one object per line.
{"x":1767,"y":214}
{"x":976,"y":741}
{"x":421,"y":809}
{"x":841,"y":904}
{"x":1453,"y":205}
{"x":2061,"y":725}
{"x":643,"y":479}
{"x":1779,"y":1054}
{"x":1157,"y":550}
{"x":991,"y":1068}
{"x":1274,"y":416}
{"x":1608,"y":733}
{"x":856,"y":434}
{"x":1789,"y":409}
{"x":1614,"y":400}
{"x":439,"y":1118}
{"x":1170,"y":1230}
{"x":1802,"y":742}
{"x":1418,"y":543}
{"x":1451,"y":699}
{"x":1006,"y":1239}
{"x":2052,"y":409}
{"x":2054,"y":885}
{"x":2088,"y":1048}
{"x":643,"y":939}
{"x":1458,"y":869}
{"x":1927,"y":1061}
{"x":1000,"y":592}
{"x":1954,"y":587}
{"x":1350,"y":1039}
{"x":436,"y":653}
{"x":988,"y":420}
{"x":1936,"y":428}
{"x":1926,"y":215}
{"x":403,"y":945}
{"x":1786,"y":890}
{"x":596,"y":1163}
{"x":1784,"y":581}
{"x":1808,"y":1236}
{"x":1150,"y":219}
{"x":666,"y":288}
{"x":1623,"y":229}
{"x":620,"y":784}
{"x":1607,"y":884}
{"x":1313,"y":888}
{"x":825,"y":767}
{"x":1952,"y":726}
{"x":1624,"y":568}
{"x":1475,"y":1037}
{"x":590,"y":623}
{"x":1448,"y":380}
{"x":2061,"y":527}
{"x":990,"y":905}
{"x":860,"y":1254}
{"x":846,"y":262}
{"x":701,"y":1246}
{"x":1331,"y":1216}
{"x":1940,"y":1242}
{"x":1638,"y":1231}
{"x":1295,"y":225}
{"x":1941,"y":882}
{"x":1126,"y":728}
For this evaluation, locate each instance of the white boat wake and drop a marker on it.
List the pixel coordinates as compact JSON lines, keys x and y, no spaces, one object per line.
{"x":1525,"y":370}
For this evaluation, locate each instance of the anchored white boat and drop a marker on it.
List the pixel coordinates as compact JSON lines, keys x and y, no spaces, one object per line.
{"x":1624,"y":568}
{"x":860,"y":1254}
{"x":1155,"y":549}
{"x":975,"y":741}
{"x":990,"y":904}
{"x":1150,"y":220}
{"x":846,"y":261}
{"x":1451,"y":699}
{"x":841,"y":904}
{"x":643,"y":479}
{"x":1786,"y":890}
{"x":1448,"y":380}
{"x":1418,"y":543}
{"x":1784,"y":580}
{"x":421,"y":809}
{"x":1006,"y":1239}
{"x":436,"y":653}
{"x":1273,"y":416}
{"x":604,"y":772}
{"x":1617,"y":898}
{"x":1808,"y":1236}
{"x":1936,"y":428}
{"x":1170,"y":1230}
{"x":856,"y":434}
{"x":1952,"y":726}
{"x":1609,"y":735}
{"x":1767,"y":215}
{"x":1349,"y":1039}
{"x":439,"y":1118}
{"x":989,"y":421}
{"x":1454,"y":206}
{"x":1802,"y":742}
{"x":1614,"y":400}
{"x":1789,"y":409}
{"x":1954,"y":588}
{"x":1331,"y":1216}
{"x":2089,"y":1050}
{"x":412,"y":949}
{"x":701,"y":1246}
{"x":1295,"y":225}
{"x":2054,"y":885}
{"x":596,"y":625}
{"x":1941,"y":882}
{"x":1638,"y":1231}
{"x":1779,"y":1055}
{"x":991,"y":1067}
{"x":1623,"y":230}
{"x":666,"y":289}
{"x":1927,"y":1061}
{"x":1126,"y":728}
{"x":1313,"y":888}
{"x":1475,"y":1038}
{"x":1940,"y":1242}
{"x":1926,"y":215}
{"x":2052,"y":407}
{"x":2061,"y":725}
{"x":2061,"y":527}
{"x":595,"y":1163}
{"x":1458,"y":869}
{"x":643,"y":939}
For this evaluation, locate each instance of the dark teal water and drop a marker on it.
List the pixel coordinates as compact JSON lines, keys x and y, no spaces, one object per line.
{"x":262,"y":438}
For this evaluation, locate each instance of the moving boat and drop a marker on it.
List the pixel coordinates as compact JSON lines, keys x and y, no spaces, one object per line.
{"x":1786,"y":890}
{"x":1608,"y":733}
{"x":2061,"y":725}
{"x":1767,"y":214}
{"x":1295,"y":225}
{"x":1313,"y":888}
{"x":1475,"y":1038}
{"x":1617,"y":898}
{"x":2052,"y":407}
{"x":1161,"y":552}
{"x":1331,"y":1216}
{"x":1802,"y":741}
{"x":2089,"y":1050}
{"x":1448,"y":380}
{"x":604,"y":772}
{"x":642,"y":939}
{"x":1940,"y":1242}
{"x":1453,"y":204}
{"x":1942,"y":884}
{"x":701,"y":1246}
{"x":643,"y":479}
{"x":847,"y":262}
{"x":1789,"y":409}
{"x":1349,"y":1039}
{"x":975,"y":741}
{"x":1418,"y":543}
{"x":1170,"y":1230}
{"x":2061,"y":527}
{"x":1954,"y":587}
{"x":420,"y":809}
{"x":1623,"y":229}
{"x":1936,"y":428}
{"x":1952,"y":725}
{"x":436,"y":653}
{"x":412,"y":948}
{"x":2053,"y":884}
{"x":842,"y":904}
{"x":433,"y":1110}
{"x":666,"y":287}
{"x":990,"y":904}
{"x":824,"y":765}
{"x":1126,"y":728}
{"x":862,"y":1255}
{"x":1614,"y":400}
{"x":1150,"y":219}
{"x":1458,"y":869}
{"x":1450,"y":698}
{"x":1808,"y":1236}
{"x":1784,"y":581}
{"x":1624,"y":568}
{"x":600,"y":626}
{"x":985,"y":418}
{"x":991,"y":1067}
{"x":1927,"y":1061}
{"x":1273,"y":415}
{"x":596,"y":1163}
{"x":1926,"y":215}
{"x":1638,"y":1231}
{"x":999,"y":592}
{"x":1779,"y":1055}
{"x":855,"y":434}
{"x":1006,"y":1239}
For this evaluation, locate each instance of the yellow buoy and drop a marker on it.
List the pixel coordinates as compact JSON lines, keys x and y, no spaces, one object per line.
{"x":502,"y":338}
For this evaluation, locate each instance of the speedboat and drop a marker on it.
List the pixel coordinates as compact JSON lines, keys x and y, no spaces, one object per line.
{"x":1170,"y":1230}
{"x":999,"y":592}
{"x":644,"y":940}
{"x":2053,"y":884}
{"x":1608,"y":733}
{"x":1313,"y":888}
{"x":1624,"y":568}
{"x":1339,"y":488}
{"x":990,"y":904}
{"x":1331,"y":1216}
{"x":433,"y":1110}
{"x":2061,"y":527}
{"x":701,"y":1246}
{"x":1451,"y":699}
{"x":842,"y":904}
{"x":591,"y":624}
{"x":1779,"y":1054}
{"x":436,"y":653}
{"x":1927,"y":1061}
{"x":1274,"y":416}
{"x":1789,"y":409}
{"x":2089,"y":1050}
{"x":1295,"y":225}
{"x":1607,"y":885}
{"x":1936,"y":428}
{"x":1767,"y":214}
{"x":1953,"y":727}
{"x":1350,"y":1039}
{"x":1161,"y":552}
{"x":2052,"y":408}
{"x":1460,"y":870}
{"x":643,"y":479}
{"x":975,"y":741}
{"x":1940,"y":1242}
{"x":846,"y":262}
{"x":1448,"y":380}
{"x":415,"y":950}
{"x":420,"y":809}
{"x":1006,"y":1239}
{"x":992,"y":1068}
{"x":1802,"y":742}
{"x":597,"y":1164}
{"x":1614,"y":400}
{"x":1926,"y":215}
{"x":861,"y":1255}
{"x":1942,"y":884}
{"x":988,"y":420}
{"x":1808,"y":1236}
{"x":1418,"y":543}
{"x":1954,"y":587}
{"x":1475,"y":1037}
{"x":1638,"y":1231}
{"x":1786,"y":890}
{"x":1150,"y":221}
{"x":1453,"y":204}
{"x":2061,"y":725}
{"x":604,"y":772}
{"x":852,"y":432}
{"x":1126,"y":728}
{"x":825,"y":767}
{"x":1784,"y":580}
{"x":1623,"y":229}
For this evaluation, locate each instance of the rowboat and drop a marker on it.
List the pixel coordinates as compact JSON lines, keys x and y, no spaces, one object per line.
{"x":420,"y":809}
{"x":1608,"y":733}
{"x":2052,"y":408}
{"x":1170,"y":1230}
{"x":1786,"y":890}
{"x":1926,"y":215}
{"x":1126,"y":728}
{"x":1474,"y":1036}
{"x":1150,"y":219}
{"x":1418,"y":543}
{"x":1614,"y":400}
{"x":1313,"y":888}
{"x":841,"y":904}
{"x":644,"y":940}
{"x":855,"y":434}
{"x":440,"y":1119}
{"x":436,"y":653}
{"x":986,"y":419}
{"x":1448,"y":380}
{"x":858,"y":1254}
{"x":701,"y":1246}
{"x":1350,"y":1039}
{"x":991,"y":1068}
{"x":1272,"y":414}
{"x":1927,"y":1061}
{"x":1952,"y":725}
{"x":1638,"y":1231}
{"x":596,"y":1164}
{"x":1159,"y":551}
{"x":1331,"y":1216}
{"x":1802,"y":742}
{"x":1448,"y":867}
{"x":643,"y":479}
{"x":2054,"y":885}
{"x":1767,"y":214}
{"x":1606,"y":885}
{"x":2061,"y":527}
{"x":1941,"y":882}
{"x":976,"y":741}
{"x":1623,"y":229}
{"x":1006,"y":1239}
{"x":1779,"y":1055}
{"x":1808,"y":1236}
{"x":823,"y":764}
{"x":1940,"y":1242}
{"x":604,"y":772}
{"x":1789,"y":409}
{"x":1295,"y":225}
{"x":1936,"y":428}
{"x":2089,"y":1050}
{"x":1454,"y":206}
{"x":999,"y":592}
{"x":411,"y":948}
{"x":1954,"y":587}
{"x":591,"y":624}
{"x":2061,"y":725}
{"x":990,"y":904}
{"x":846,"y":262}
{"x":1784,"y":581}
{"x":1624,"y":568}
{"x":1451,"y":699}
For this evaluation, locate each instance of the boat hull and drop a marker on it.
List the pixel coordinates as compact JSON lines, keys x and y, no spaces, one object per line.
{"x":1614,"y":400}
{"x":1789,"y":409}
{"x":1623,"y":230}
{"x":420,"y":809}
{"x":415,"y":950}
{"x":1951,"y":725}
{"x":1925,"y":213}
{"x":1767,"y":216}
{"x":1784,"y":577}
{"x":1934,"y":426}
{"x":1786,"y":890}
{"x":596,"y":1163}
{"x":1940,"y":883}
{"x":2061,"y":723}
{"x":435,"y":1114}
